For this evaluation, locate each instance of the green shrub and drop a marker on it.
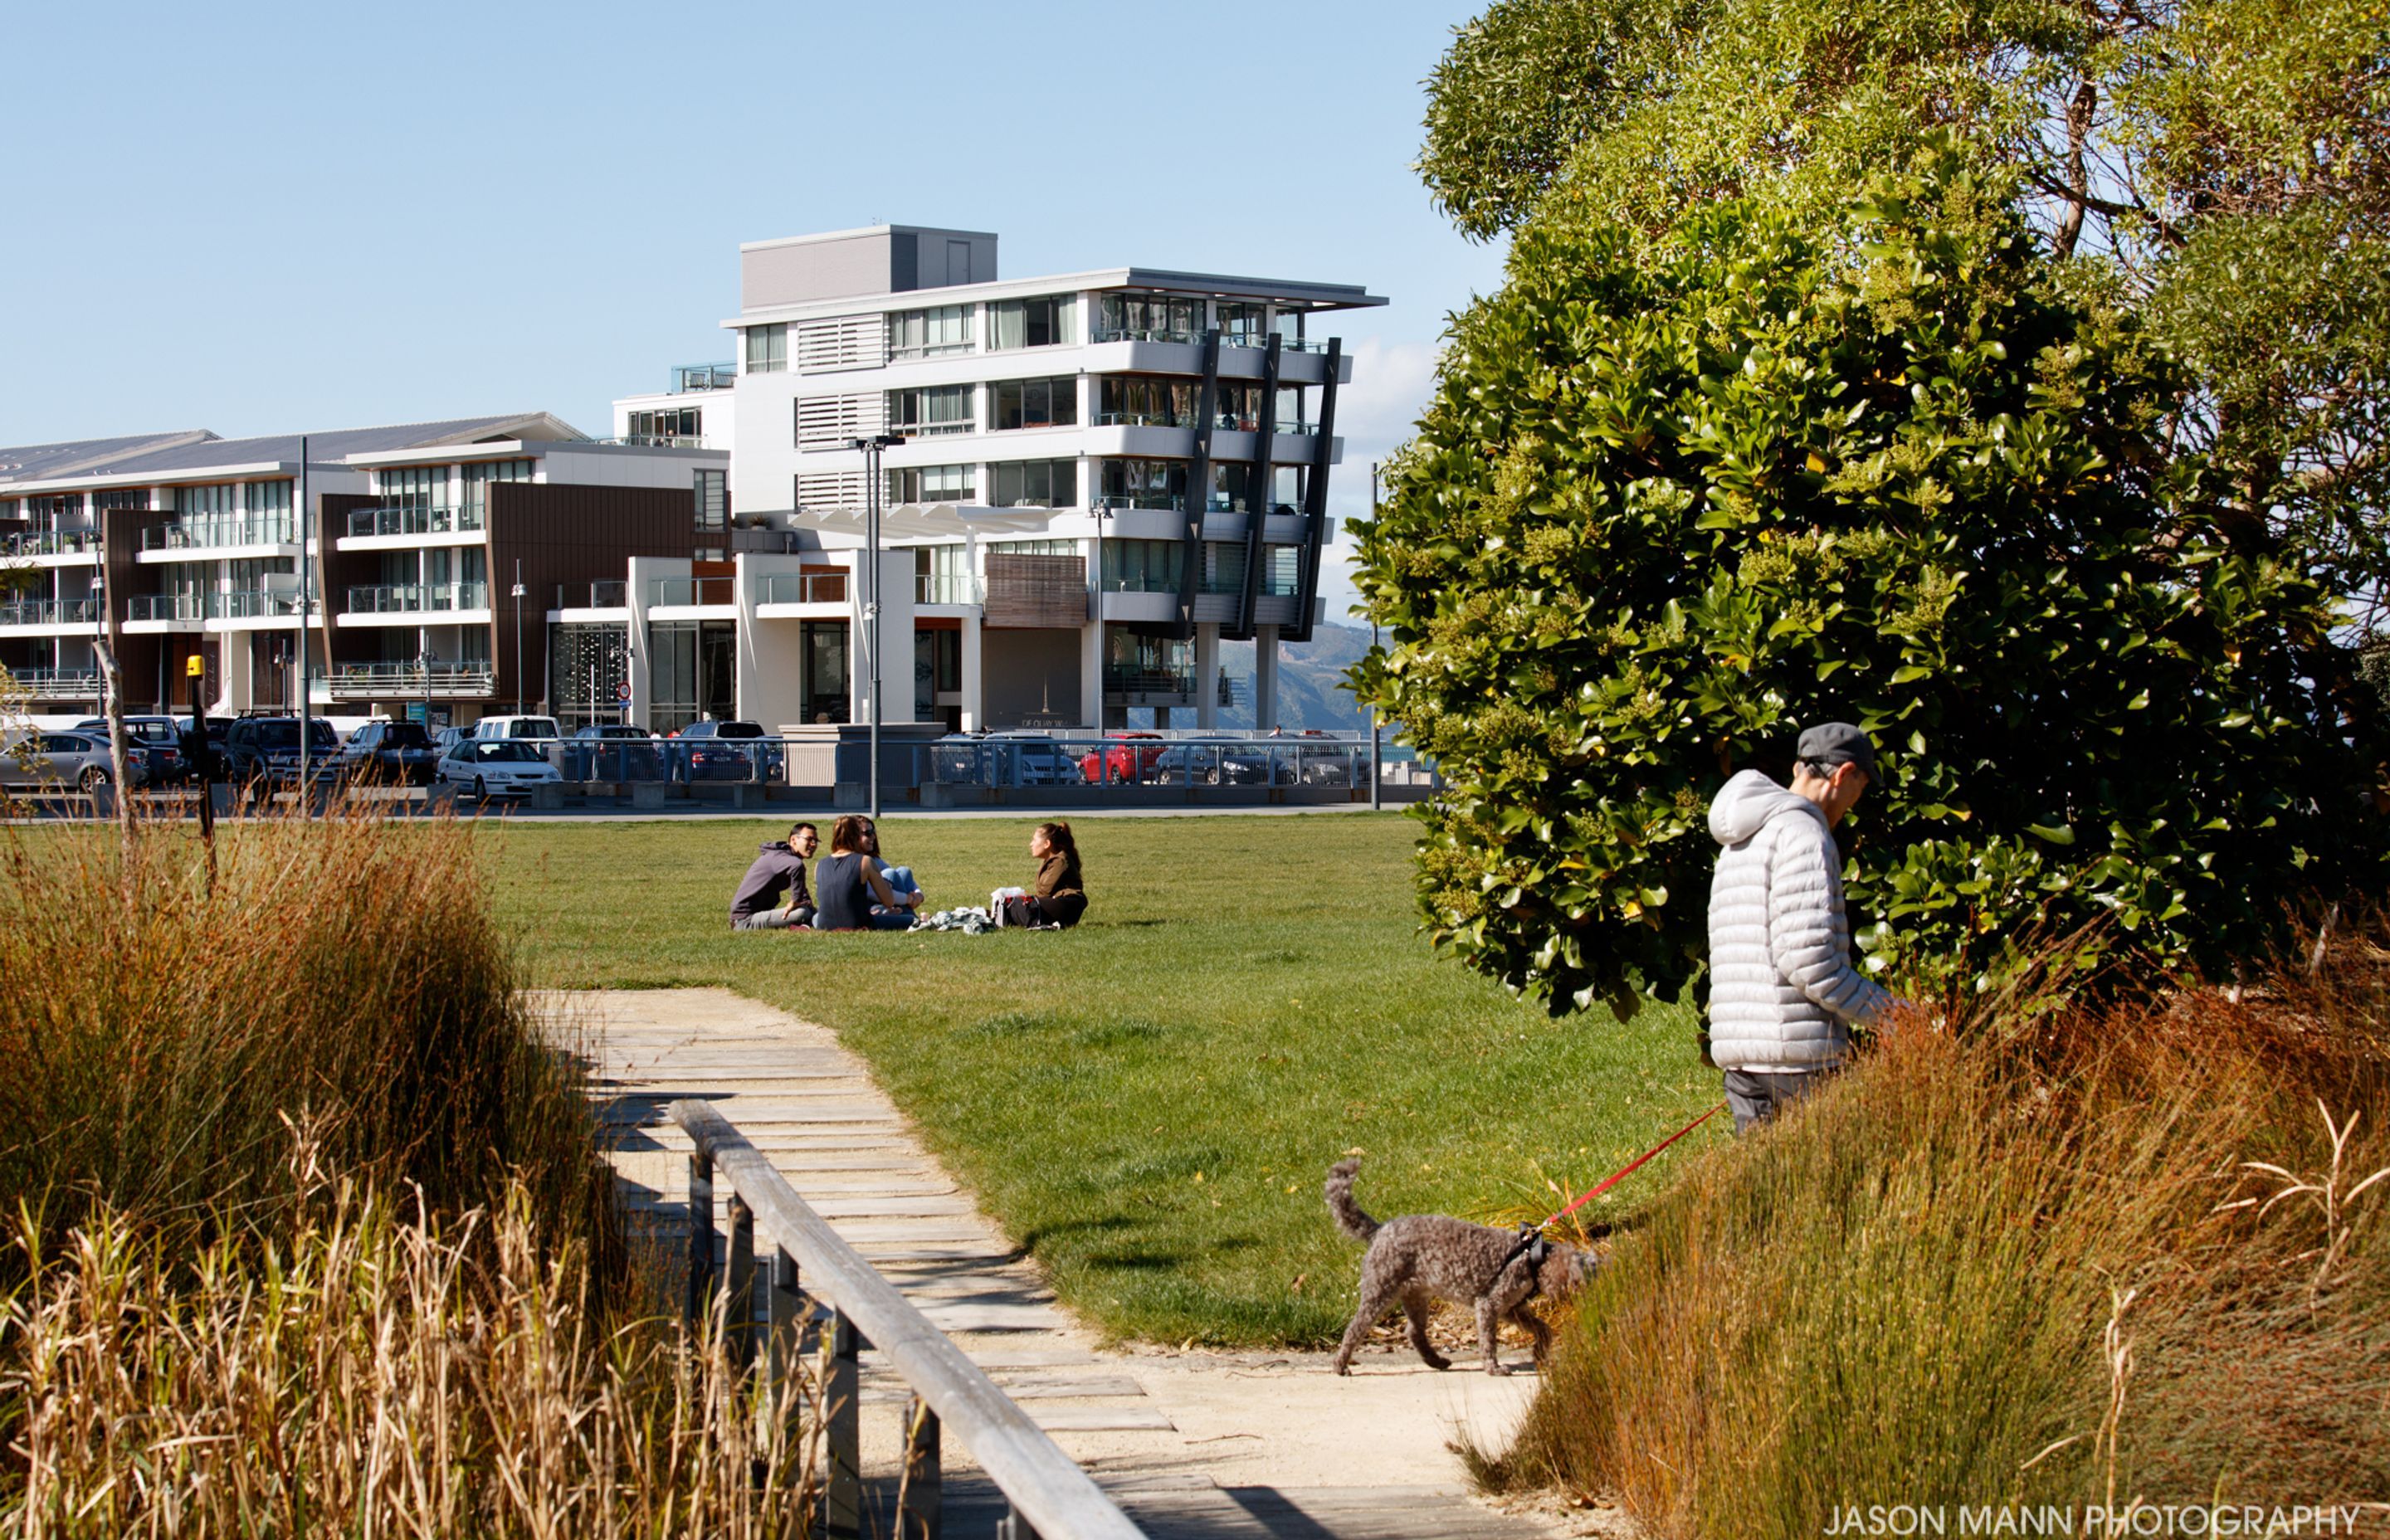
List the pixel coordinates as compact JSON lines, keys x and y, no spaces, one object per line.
{"x":1672,"y":501}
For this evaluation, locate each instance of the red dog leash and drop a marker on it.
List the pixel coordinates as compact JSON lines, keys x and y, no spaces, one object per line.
{"x":1632,"y":1167}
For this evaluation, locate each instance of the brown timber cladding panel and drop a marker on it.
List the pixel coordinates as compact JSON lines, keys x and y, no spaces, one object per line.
{"x":1040,"y":593}
{"x":570,"y":534}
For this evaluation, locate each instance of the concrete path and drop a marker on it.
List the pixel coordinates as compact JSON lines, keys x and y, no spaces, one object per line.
{"x":1190,"y":1443}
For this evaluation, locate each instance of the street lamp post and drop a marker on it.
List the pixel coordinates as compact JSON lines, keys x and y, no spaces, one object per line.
{"x":425,"y":659}
{"x":872,"y":490}
{"x":518,"y":592}
{"x":306,"y":578}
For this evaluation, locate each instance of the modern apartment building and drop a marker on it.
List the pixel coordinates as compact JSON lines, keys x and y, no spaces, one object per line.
{"x":431,"y":548}
{"x":1104,"y":474}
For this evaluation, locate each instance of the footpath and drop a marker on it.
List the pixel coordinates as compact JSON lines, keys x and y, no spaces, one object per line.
{"x":1189,"y":1444}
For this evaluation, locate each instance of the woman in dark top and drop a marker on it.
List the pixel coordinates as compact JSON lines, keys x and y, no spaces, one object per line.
{"x":1060,"y":894}
{"x":848,"y":892}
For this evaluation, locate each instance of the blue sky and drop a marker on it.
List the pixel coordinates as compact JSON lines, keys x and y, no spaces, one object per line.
{"x":274,"y":218}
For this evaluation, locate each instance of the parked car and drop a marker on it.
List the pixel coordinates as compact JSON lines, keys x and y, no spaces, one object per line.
{"x":518,"y":726}
{"x":53,"y":761}
{"x":1123,"y":759}
{"x":261,"y":752}
{"x":387,"y":753}
{"x":153,"y":750}
{"x":1211,"y":761}
{"x":612,"y":752}
{"x":445,"y":738}
{"x":495,"y":767}
{"x":1020,"y":756}
{"x":712,"y":750}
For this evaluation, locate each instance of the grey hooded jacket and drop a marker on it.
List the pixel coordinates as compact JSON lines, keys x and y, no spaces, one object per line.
{"x":1781,"y":984}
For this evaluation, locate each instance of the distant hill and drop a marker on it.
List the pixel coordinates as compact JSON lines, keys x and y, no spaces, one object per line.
{"x":1311,"y":689}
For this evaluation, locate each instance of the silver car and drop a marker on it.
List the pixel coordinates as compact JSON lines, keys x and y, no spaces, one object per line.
{"x":53,"y":762}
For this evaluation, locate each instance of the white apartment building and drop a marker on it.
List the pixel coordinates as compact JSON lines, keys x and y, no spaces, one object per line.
{"x":1104,"y":474}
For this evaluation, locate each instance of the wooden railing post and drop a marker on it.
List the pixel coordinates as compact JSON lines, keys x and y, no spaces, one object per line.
{"x":842,"y":1409}
{"x":701,"y":1235}
{"x":1013,"y":1526}
{"x":787,"y":1339}
{"x":741,"y":1271}
{"x":921,"y":1491}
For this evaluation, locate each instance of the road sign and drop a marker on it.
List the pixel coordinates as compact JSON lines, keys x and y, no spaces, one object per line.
{"x":622,"y":693}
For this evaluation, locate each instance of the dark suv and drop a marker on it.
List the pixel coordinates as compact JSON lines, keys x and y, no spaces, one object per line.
{"x":387,"y":753}
{"x":719,"y":751}
{"x":261,"y":752}
{"x":611,"y":751}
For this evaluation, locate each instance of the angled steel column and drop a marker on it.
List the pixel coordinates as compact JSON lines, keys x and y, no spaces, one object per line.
{"x":1259,"y":488}
{"x":1315,"y":499}
{"x":1199,"y":484}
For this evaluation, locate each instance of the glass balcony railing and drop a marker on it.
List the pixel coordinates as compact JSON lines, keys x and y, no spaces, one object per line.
{"x":948,"y":589}
{"x":805,"y":588}
{"x":673,"y":591}
{"x":932,"y":430}
{"x":1137,"y":681}
{"x":50,"y":612}
{"x":656,"y":440}
{"x":408,"y":598}
{"x":51,"y":542}
{"x":166,"y":607}
{"x":686,"y":377}
{"x":614,"y":595}
{"x":1146,"y":334}
{"x":357,"y":681}
{"x":53,"y":684}
{"x":1294,"y":344}
{"x":1140,"y":419}
{"x":1164,"y":502}
{"x":253,"y":604}
{"x":413,"y":518}
{"x":190,"y":535}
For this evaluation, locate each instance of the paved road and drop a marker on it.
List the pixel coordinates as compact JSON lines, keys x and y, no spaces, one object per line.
{"x":1195,"y":1444}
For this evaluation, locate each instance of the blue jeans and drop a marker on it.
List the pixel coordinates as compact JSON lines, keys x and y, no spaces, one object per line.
{"x":900,"y":880}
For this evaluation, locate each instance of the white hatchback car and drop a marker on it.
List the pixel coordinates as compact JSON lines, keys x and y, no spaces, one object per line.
{"x":495,"y":767}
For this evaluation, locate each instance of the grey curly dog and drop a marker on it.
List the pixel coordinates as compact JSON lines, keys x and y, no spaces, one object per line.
{"x":1424,"y":1254}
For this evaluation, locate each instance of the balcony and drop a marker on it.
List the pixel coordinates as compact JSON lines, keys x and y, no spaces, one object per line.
{"x":1161,"y":502}
{"x":396,"y":681}
{"x":411,"y":599}
{"x":50,"y":612}
{"x":56,"y":683}
{"x":253,"y":604}
{"x":947,"y":588}
{"x":1141,"y":681}
{"x":167,"y":606}
{"x":1147,"y":334}
{"x":655,"y":440}
{"x":805,"y":588}
{"x":264,"y":529}
{"x":668,"y":591}
{"x":51,"y":542}
{"x":688,"y":379}
{"x":615,"y":594}
{"x":413,"y":518}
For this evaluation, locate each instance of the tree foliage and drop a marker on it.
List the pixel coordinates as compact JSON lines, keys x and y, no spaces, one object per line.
{"x":1884,"y":461}
{"x":2226,"y":162}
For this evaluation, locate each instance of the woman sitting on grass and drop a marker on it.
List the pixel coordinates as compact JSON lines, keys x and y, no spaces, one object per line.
{"x":848,"y":892}
{"x":1059,"y":897}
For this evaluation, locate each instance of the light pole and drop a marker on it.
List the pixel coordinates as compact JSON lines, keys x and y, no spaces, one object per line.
{"x":1375,"y":760}
{"x":518,"y":592}
{"x":872,"y":490}
{"x":306,"y":576}
{"x":425,"y":659}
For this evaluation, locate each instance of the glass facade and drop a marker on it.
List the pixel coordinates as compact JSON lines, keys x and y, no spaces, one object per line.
{"x":1052,"y":403}
{"x":1034,"y":484}
{"x":1135,"y":483}
{"x":825,"y":688}
{"x":413,"y":486}
{"x":711,"y":492}
{"x":1151,"y":318}
{"x":1146,"y":401}
{"x":1144,"y":566}
{"x":203,"y":502}
{"x":1046,"y":322}
{"x":931,"y":410}
{"x":768,"y":349}
{"x":691,"y":671}
{"x":672,"y":423}
{"x":1243,"y":325}
{"x":481,"y":473}
{"x":931,"y":483}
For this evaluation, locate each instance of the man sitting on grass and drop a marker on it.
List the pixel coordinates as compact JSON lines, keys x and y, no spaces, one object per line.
{"x":1783,"y":991}
{"x":780,"y":868}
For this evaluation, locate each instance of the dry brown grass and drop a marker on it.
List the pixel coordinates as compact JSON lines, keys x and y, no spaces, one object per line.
{"x":2048,"y":1252}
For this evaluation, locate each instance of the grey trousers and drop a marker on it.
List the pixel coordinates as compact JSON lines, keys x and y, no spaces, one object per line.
{"x":1753,"y":1098}
{"x":774,"y":920}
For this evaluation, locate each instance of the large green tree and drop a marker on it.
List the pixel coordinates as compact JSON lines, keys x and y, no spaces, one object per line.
{"x":1878,"y":458}
{"x":2226,"y":163}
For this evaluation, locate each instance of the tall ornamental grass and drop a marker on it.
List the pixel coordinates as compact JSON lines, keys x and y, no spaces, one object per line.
{"x":2058,"y":1255}
{"x":161,"y":1028}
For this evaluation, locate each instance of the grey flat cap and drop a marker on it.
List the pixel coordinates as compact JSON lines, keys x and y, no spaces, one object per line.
{"x":1832,"y":743}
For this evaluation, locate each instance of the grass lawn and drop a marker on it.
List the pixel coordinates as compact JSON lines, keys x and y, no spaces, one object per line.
{"x":1149,"y":1101}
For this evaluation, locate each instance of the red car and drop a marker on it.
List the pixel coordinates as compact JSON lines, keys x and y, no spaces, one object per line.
{"x":1124,"y":760}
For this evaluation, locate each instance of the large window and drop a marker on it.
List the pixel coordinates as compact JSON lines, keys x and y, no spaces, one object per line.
{"x":1151,"y":318}
{"x":930,"y":333}
{"x":481,"y":473}
{"x":768,"y":349}
{"x":713,"y":492}
{"x":413,"y":486}
{"x":1283,"y":570}
{"x":1036,"y":483}
{"x":203,"y":502}
{"x":1036,"y":403}
{"x":1045,"y":322}
{"x":265,"y":496}
{"x":68,"y":505}
{"x":931,"y":410}
{"x":1143,"y":484}
{"x":137,"y":499}
{"x":1145,"y":400}
{"x":1144,"y":566}
{"x":677,"y":426}
{"x":931,"y":483}
{"x":1243,"y":325}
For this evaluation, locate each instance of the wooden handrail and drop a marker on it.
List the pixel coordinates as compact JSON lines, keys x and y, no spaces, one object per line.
{"x":1050,"y":1497}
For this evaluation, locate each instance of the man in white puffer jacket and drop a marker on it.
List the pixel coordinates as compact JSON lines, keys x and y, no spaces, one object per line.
{"x":1782,"y":989}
